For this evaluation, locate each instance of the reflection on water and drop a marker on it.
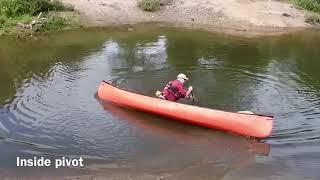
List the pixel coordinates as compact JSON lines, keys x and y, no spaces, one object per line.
{"x":49,"y":108}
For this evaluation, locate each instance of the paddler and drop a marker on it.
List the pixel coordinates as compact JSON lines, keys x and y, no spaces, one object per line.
{"x":175,"y":90}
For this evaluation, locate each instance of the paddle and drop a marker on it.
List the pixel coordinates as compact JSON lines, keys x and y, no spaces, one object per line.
{"x":192,"y":96}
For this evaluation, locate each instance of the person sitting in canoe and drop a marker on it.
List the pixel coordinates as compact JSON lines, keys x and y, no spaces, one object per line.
{"x":175,"y":90}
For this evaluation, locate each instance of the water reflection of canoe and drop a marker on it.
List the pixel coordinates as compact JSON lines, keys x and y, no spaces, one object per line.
{"x":242,"y":124}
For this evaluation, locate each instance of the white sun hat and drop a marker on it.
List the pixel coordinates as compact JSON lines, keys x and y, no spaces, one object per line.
{"x":182,"y":76}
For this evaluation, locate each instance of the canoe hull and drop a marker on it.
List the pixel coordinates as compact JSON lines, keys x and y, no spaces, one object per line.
{"x":242,"y":124}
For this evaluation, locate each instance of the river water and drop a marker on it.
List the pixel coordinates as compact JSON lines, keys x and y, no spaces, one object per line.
{"x":49,"y":108}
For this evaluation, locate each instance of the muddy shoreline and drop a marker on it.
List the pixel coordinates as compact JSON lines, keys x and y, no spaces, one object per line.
{"x":236,"y":17}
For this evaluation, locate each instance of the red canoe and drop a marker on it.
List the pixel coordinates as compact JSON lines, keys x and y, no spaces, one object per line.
{"x":242,"y":124}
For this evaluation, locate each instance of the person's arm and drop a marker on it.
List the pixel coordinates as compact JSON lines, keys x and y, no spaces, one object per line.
{"x":189,"y":92}
{"x":167,"y":86}
{"x":186,"y":93}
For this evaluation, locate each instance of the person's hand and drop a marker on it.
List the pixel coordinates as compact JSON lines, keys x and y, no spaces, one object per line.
{"x":190,"y":88}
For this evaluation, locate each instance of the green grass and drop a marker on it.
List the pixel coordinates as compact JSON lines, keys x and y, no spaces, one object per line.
{"x":13,"y":12}
{"x":149,"y":5}
{"x":54,"y":23}
{"x":7,"y":24}
{"x":16,"y":8}
{"x":311,"y":5}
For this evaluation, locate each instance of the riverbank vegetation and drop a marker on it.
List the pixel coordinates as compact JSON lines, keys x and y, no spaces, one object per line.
{"x":313,"y":18}
{"x":149,"y":5}
{"x":152,"y":5}
{"x":313,"y":6}
{"x":32,"y":15}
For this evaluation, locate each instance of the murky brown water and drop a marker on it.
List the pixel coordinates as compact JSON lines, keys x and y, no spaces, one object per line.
{"x":48,"y":105}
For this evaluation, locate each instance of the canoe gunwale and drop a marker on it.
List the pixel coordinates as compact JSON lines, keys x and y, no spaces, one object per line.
{"x":111,"y":83}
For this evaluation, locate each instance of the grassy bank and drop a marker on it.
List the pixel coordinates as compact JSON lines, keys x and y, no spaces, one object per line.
{"x":31,"y":15}
{"x":313,"y":6}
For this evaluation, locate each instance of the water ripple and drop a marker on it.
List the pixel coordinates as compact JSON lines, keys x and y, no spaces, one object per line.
{"x":54,"y":112}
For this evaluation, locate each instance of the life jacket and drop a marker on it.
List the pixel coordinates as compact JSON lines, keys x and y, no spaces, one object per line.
{"x":174,"y":90}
